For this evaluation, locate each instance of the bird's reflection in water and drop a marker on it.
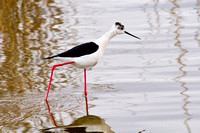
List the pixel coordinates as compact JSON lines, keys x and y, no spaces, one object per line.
{"x":85,"y":124}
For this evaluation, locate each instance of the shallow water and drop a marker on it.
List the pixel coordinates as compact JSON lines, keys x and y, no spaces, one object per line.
{"x":148,"y":85}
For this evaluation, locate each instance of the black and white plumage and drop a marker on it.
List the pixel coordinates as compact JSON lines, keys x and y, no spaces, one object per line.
{"x":88,"y":54}
{"x":78,"y":51}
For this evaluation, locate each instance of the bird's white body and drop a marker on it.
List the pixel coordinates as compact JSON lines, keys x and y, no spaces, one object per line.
{"x":87,"y":61}
{"x":90,"y":60}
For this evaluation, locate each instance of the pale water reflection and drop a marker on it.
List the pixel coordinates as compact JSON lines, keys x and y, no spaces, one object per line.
{"x":150,"y":85}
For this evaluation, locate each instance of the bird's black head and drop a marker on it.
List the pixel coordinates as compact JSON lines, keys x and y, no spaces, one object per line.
{"x":119,"y":26}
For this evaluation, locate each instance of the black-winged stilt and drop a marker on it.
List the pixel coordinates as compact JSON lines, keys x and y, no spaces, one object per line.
{"x":88,"y":54}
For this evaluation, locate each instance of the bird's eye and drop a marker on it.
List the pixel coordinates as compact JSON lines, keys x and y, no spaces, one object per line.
{"x":122,"y":27}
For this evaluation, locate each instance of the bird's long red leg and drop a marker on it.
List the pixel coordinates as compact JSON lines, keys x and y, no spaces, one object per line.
{"x":85,"y":84}
{"x":86,"y":103}
{"x":49,"y":110}
{"x":54,"y":66}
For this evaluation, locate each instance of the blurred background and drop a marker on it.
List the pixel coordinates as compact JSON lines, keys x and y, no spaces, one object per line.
{"x":147,"y":85}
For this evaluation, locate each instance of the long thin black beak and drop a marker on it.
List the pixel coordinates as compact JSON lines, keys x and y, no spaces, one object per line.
{"x":131,"y":35}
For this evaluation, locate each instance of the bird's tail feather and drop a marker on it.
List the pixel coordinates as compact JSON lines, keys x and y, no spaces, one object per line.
{"x":49,"y":57}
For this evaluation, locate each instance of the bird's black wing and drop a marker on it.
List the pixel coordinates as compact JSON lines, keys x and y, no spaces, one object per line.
{"x":80,"y":50}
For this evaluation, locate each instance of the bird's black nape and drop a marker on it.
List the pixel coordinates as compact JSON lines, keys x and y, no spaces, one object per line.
{"x":131,"y":35}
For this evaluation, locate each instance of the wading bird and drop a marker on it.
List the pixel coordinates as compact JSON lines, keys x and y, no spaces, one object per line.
{"x":88,"y":54}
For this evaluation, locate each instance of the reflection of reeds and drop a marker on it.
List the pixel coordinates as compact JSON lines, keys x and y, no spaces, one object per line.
{"x":197,"y":33}
{"x":177,"y":23}
{"x":27,"y":29}
{"x":18,"y":22}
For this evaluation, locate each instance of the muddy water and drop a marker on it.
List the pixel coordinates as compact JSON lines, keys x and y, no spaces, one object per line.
{"x":151,"y":85}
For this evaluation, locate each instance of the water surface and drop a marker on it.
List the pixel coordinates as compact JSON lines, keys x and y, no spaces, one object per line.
{"x":148,"y":85}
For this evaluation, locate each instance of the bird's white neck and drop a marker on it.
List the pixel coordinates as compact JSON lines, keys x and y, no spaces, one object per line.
{"x":104,"y":40}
